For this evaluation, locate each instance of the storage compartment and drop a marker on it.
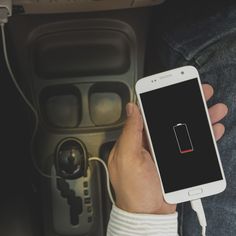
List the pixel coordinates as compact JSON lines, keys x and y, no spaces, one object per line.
{"x":61,"y":106}
{"x":107,"y":103}
{"x":81,"y":53}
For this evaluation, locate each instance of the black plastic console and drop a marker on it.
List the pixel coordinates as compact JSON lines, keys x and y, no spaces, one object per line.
{"x":79,"y":71}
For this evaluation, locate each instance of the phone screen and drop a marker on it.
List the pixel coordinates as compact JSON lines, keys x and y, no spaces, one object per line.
{"x":181,"y":136}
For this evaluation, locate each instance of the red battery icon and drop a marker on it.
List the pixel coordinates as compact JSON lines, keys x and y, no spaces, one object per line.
{"x":183,"y":138}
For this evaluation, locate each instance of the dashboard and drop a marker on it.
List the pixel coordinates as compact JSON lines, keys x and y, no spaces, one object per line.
{"x":63,"y":6}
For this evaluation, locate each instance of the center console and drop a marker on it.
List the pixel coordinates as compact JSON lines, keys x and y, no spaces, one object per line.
{"x":79,"y":71}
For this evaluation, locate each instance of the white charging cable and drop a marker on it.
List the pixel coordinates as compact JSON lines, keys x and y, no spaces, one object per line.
{"x":198,"y":208}
{"x":5,"y":12}
{"x":27,"y":102}
{"x":107,"y":176}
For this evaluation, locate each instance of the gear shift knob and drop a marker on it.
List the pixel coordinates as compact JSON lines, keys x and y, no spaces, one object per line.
{"x":71,"y":159}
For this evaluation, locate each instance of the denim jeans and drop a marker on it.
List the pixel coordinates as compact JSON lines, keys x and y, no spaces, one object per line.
{"x":210,"y":45}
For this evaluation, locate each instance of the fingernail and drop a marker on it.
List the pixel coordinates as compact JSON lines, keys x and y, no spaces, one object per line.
{"x":129,"y":109}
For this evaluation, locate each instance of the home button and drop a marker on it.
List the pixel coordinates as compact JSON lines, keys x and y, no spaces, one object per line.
{"x":195,"y":192}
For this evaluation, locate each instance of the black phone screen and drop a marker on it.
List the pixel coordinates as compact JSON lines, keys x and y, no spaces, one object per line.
{"x":181,"y":136}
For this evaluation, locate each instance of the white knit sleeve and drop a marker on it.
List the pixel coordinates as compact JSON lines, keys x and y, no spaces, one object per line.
{"x":123,"y":223}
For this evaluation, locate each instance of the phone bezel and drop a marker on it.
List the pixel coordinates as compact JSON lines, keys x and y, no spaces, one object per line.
{"x":165,"y":79}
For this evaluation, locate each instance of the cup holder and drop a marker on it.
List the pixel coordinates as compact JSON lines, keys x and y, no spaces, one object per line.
{"x":61,"y":106}
{"x":107,"y":103}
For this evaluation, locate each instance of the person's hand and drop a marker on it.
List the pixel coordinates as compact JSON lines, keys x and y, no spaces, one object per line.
{"x":132,"y":171}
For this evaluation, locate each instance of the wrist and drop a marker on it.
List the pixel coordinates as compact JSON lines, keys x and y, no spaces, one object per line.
{"x":147,"y":208}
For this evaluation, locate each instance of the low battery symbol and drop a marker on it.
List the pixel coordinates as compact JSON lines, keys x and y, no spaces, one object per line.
{"x":183,"y":138}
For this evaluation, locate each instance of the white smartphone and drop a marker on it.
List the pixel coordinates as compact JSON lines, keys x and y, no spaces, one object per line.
{"x":180,"y":135}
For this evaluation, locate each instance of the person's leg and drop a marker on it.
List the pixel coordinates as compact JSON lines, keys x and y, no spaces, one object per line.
{"x":210,"y":45}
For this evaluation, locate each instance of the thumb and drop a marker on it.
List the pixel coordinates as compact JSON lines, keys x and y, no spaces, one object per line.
{"x":132,"y":134}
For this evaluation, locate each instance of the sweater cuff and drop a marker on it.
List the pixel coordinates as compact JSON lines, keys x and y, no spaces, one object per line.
{"x":127,"y":224}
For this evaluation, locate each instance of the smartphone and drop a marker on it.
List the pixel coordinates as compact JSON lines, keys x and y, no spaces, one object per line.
{"x":180,"y":135}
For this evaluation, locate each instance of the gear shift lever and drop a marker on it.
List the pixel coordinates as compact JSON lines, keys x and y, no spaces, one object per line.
{"x":74,"y":186}
{"x":71,"y":159}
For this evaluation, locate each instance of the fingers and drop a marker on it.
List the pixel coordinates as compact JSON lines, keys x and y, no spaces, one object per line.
{"x":219,"y":130}
{"x":208,"y":91}
{"x":218,"y":112}
{"x":132,"y":134}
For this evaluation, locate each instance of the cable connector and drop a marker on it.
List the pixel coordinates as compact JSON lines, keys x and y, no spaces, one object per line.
{"x":198,"y":208}
{"x":5,"y":10}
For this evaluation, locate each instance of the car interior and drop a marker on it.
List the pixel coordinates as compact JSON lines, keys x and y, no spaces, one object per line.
{"x":77,"y":62}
